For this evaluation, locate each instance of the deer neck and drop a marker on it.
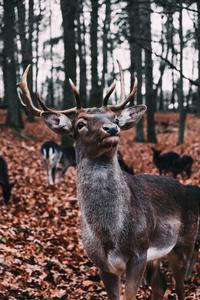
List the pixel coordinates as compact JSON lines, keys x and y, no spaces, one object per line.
{"x":101,"y":193}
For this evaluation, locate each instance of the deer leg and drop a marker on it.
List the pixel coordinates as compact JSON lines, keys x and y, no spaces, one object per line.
{"x":134,"y":274}
{"x":112,"y":284}
{"x":49,"y":176}
{"x":179,"y":262}
{"x":53,"y":174}
{"x":156,"y":279}
{"x":193,"y":260}
{"x":188,"y":172}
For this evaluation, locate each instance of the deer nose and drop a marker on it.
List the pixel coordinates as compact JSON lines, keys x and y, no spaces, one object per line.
{"x":112,"y":130}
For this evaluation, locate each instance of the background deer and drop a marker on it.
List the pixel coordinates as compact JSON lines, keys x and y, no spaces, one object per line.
{"x":4,"y":180}
{"x":123,"y":165}
{"x":127,"y":221}
{"x":57,"y":160}
{"x":51,"y":154}
{"x":68,"y":159}
{"x":164,"y":162}
{"x":181,"y":165}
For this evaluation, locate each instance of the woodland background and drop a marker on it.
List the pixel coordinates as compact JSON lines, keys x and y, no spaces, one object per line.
{"x":41,"y":254}
{"x":157,"y":41}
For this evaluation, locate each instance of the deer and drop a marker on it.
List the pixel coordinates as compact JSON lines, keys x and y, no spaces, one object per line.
{"x":164,"y":162}
{"x":4,"y":180}
{"x":123,"y":165}
{"x":128,"y":222}
{"x":68,"y":159}
{"x":51,"y":155}
{"x":181,"y":165}
{"x":56,"y":160}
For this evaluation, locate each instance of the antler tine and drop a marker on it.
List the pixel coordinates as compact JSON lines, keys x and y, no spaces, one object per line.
{"x":24,"y":87}
{"x":29,"y":103}
{"x":121,"y":105}
{"x":122,"y":96}
{"x":105,"y":100}
{"x":21,"y":101}
{"x":66,"y":112}
{"x":78,"y":100}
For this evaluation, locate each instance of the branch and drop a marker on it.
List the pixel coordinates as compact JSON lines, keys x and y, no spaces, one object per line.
{"x":172,"y":66}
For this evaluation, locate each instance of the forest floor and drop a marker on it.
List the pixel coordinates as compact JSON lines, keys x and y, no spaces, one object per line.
{"x":41,"y":253}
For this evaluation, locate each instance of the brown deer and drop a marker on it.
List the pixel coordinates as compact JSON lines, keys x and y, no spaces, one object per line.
{"x":128,"y":222}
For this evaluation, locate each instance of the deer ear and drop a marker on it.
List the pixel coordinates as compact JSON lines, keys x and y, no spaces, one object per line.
{"x":58,"y":123}
{"x":129,"y":117}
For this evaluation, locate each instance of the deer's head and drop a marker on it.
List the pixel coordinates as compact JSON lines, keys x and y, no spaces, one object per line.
{"x":96,"y":130}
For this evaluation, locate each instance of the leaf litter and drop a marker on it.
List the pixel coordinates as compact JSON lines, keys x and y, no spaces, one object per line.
{"x":41,"y":252}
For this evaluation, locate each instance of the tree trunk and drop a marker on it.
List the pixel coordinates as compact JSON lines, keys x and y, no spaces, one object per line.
{"x":82,"y":54}
{"x":198,"y":43}
{"x":150,"y":101}
{"x":13,"y":118}
{"x":68,"y":8}
{"x":136,"y":60}
{"x":51,"y":91}
{"x":68,"y":14}
{"x":95,"y":95}
{"x":106,"y":30}
{"x":37,"y":45}
{"x":182,"y":111}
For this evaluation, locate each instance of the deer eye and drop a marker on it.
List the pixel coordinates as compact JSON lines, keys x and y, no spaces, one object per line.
{"x":117,"y":121}
{"x":80,"y":125}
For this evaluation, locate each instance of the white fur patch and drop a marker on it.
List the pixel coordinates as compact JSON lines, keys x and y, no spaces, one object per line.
{"x":44,"y":153}
{"x":117,"y":264}
{"x":156,"y":253}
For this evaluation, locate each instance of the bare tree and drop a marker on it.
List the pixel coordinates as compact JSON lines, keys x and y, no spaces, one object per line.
{"x":68,"y":9}
{"x":95,"y":95}
{"x":135,"y":33}
{"x":13,"y":118}
{"x":106,"y":38}
{"x":26,"y":41}
{"x":182,"y":110}
{"x":198,"y":45}
{"x":81,"y":32}
{"x":150,"y":95}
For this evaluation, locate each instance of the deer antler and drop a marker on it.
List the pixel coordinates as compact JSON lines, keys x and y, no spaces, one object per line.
{"x":105,"y":100}
{"x":122,"y":96}
{"x":78,"y":100}
{"x":121,"y":105}
{"x":123,"y":101}
{"x":30,"y":107}
{"x":24,"y":87}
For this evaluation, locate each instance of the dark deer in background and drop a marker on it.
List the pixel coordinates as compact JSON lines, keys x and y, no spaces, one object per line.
{"x":57,"y":160}
{"x":4,"y":180}
{"x":123,"y":165}
{"x":164,"y":162}
{"x":181,"y":165}
{"x":68,"y":159}
{"x":127,"y":221}
{"x":51,"y":154}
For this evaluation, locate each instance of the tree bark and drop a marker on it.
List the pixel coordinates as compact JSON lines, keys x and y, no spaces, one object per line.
{"x":106,"y":30}
{"x":150,"y":101}
{"x":82,"y":54}
{"x":95,"y":95}
{"x":136,"y":59}
{"x":68,"y":9}
{"x":68,"y":13}
{"x":13,"y":118}
{"x":182,"y":110}
{"x":198,"y":43}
